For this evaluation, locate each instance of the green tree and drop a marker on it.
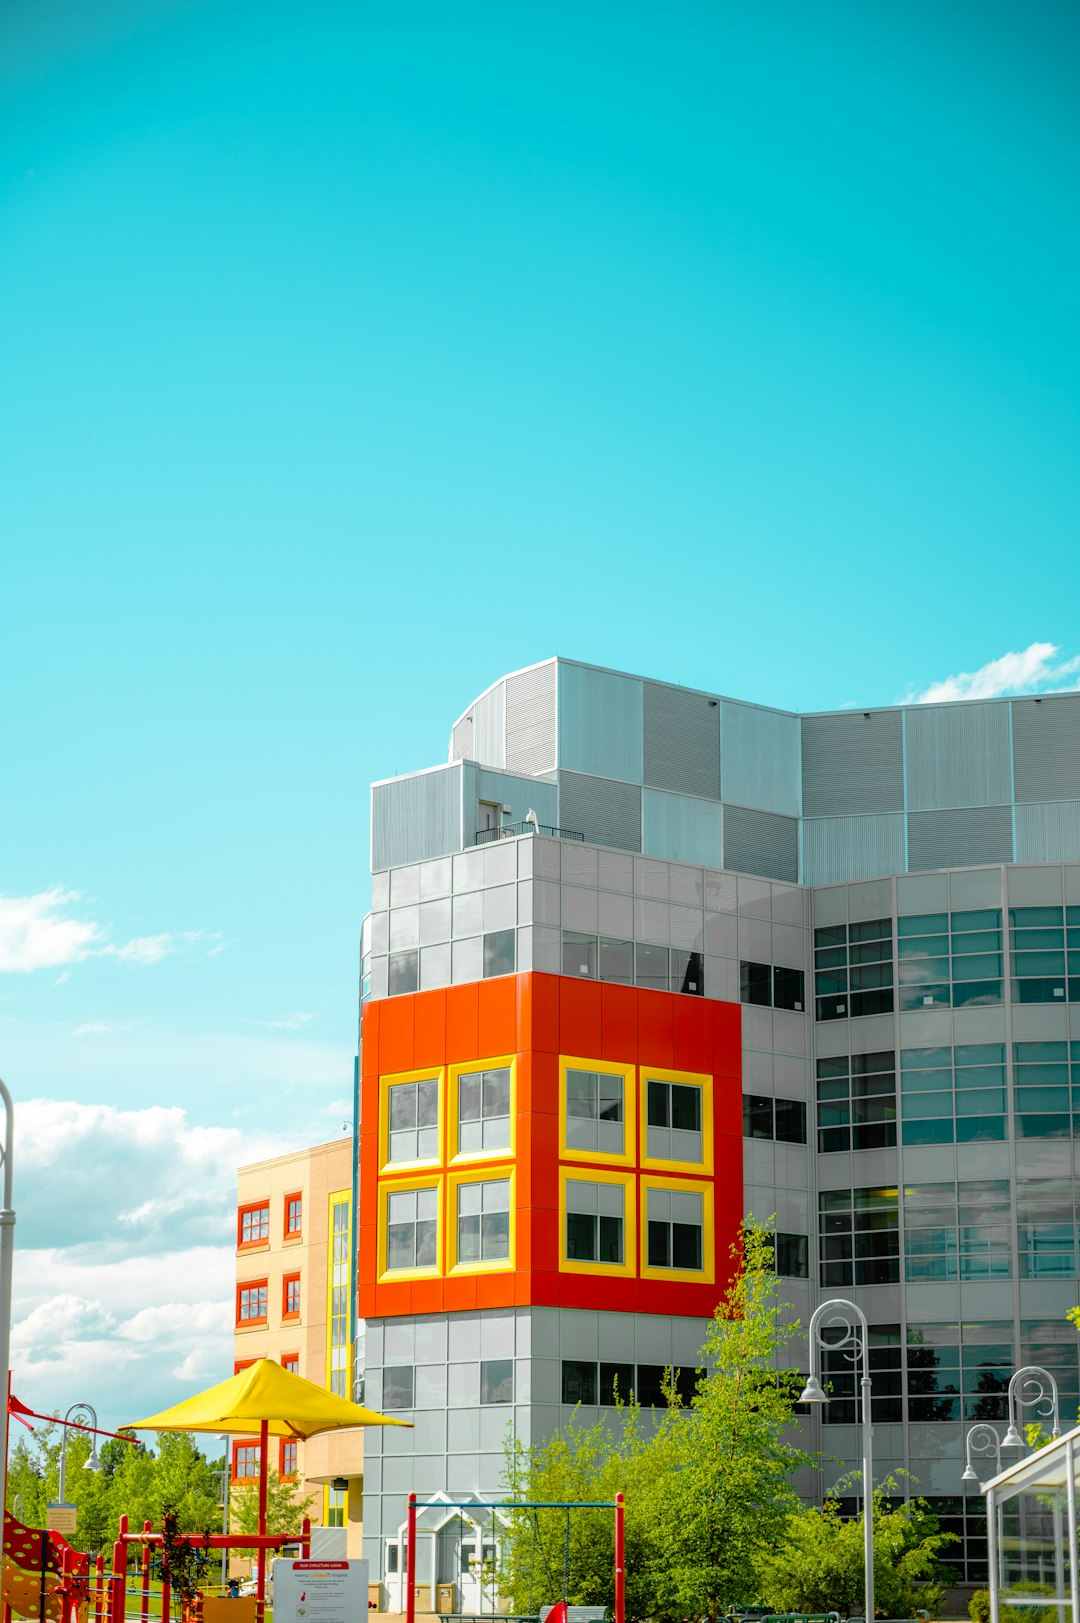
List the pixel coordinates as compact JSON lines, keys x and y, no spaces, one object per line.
{"x":285,"y":1510}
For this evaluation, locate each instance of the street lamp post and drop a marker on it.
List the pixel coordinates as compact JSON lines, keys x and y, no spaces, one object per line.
{"x":981,"y":1439}
{"x":1032,"y":1388}
{"x":853,"y":1341}
{"x":85,"y":1415}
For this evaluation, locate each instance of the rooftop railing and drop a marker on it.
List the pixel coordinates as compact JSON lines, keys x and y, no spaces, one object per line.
{"x":511,"y":831}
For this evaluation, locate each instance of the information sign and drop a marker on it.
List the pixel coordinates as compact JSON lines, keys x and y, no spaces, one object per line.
{"x":61,"y":1519}
{"x":320,"y":1591}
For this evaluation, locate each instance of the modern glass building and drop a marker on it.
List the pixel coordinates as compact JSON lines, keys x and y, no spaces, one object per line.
{"x":641,"y":959}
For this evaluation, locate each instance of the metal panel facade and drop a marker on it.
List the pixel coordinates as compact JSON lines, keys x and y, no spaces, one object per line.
{"x":958,"y":755}
{"x":521,"y":795}
{"x":461,"y":740}
{"x":835,"y":849}
{"x":489,"y":727}
{"x":852,"y":763}
{"x":1048,"y":833}
{"x":681,"y":827}
{"x":600,"y":722}
{"x":1046,"y":748}
{"x":415,"y":818}
{"x":606,"y":813}
{"x":760,"y":759}
{"x":681,"y":741}
{"x":959,"y":839}
{"x":531,"y":706}
{"x":761,"y":843}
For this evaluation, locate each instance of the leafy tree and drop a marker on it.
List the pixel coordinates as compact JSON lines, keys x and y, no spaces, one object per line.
{"x":817,"y":1564}
{"x":285,"y":1510}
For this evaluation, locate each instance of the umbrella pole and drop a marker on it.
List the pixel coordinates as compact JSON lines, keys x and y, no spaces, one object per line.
{"x":264,"y":1467}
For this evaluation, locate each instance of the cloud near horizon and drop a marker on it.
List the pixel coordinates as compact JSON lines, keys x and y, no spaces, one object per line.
{"x":41,"y":932}
{"x":1035,"y":668}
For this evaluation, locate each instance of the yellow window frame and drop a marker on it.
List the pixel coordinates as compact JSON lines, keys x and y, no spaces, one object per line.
{"x":402,"y":1186}
{"x":628,"y":1267}
{"x":453,"y":1074}
{"x":388,"y":1168}
{"x":481,"y":1174}
{"x":696,"y":1079}
{"x":569,"y":1062}
{"x":706,"y":1275}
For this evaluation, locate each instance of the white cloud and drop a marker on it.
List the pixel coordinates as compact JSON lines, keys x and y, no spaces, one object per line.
{"x":1036,"y":667}
{"x":284,"y":1022}
{"x":41,"y":932}
{"x":96,"y":1028}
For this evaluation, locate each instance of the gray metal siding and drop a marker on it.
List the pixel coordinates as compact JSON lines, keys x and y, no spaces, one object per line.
{"x":600,"y":723}
{"x":1046,"y":748}
{"x":852,"y":763}
{"x":959,"y":839}
{"x":461,"y":740}
{"x":416,"y":818}
{"x":606,"y":813}
{"x":531,"y":704}
{"x":760,"y":759}
{"x":681,"y":741}
{"x":489,"y":727}
{"x":838,"y":849}
{"x":1049,"y":832}
{"x":761,"y":843}
{"x":520,"y":794}
{"x":681,"y":828}
{"x":957,"y":755}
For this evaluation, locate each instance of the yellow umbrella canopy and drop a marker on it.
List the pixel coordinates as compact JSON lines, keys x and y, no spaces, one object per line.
{"x":264,"y":1392}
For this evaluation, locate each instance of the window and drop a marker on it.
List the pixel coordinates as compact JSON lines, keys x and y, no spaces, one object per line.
{"x":595,"y":1104}
{"x":950,"y":1093}
{"x":290,"y":1296}
{"x":595,"y":1221}
{"x":287,"y":1459}
{"x":853,"y":969}
{"x":499,"y":950}
{"x":483,"y":1110}
{"x":651,"y":966}
{"x":615,"y":961}
{"x":617,"y":1383}
{"x":673,"y":1121}
{"x":291,"y":1363}
{"x":411,"y":1228}
{"x":242,"y":1363}
{"x":398,"y":1384}
{"x":579,"y":954}
{"x":608,"y":958}
{"x":403,"y":973}
{"x":1042,"y":1100}
{"x":245,"y":1462}
{"x":251,"y":1302}
{"x":771,"y":985}
{"x":483,"y":1221}
{"x":294,"y":1216}
{"x":755,"y":983}
{"x":675,"y":1225}
{"x":335,"y":1507}
{"x":687,"y":972}
{"x":578,"y":1381}
{"x":781,"y":1119}
{"x":497,"y":1380}
{"x":886,"y":1349}
{"x":338,"y":1351}
{"x":949,"y":959}
{"x":792,"y":1260}
{"x":859,"y":1236}
{"x":254,"y":1225}
{"x":1046,"y":1225}
{"x":1037,"y":941}
{"x":966,"y":1518}
{"x":958,"y":1371}
{"x":958,"y":1231}
{"x":856,"y":1107}
{"x":413,"y":1120}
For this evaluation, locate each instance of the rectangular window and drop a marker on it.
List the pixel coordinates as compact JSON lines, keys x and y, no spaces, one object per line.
{"x":687,"y":972}
{"x":959,"y":1371}
{"x":246,"y":1462}
{"x":291,"y":1363}
{"x":755,"y":983}
{"x":771,"y":985}
{"x":251,"y":1302}
{"x":651,"y":966}
{"x":414,"y":1120}
{"x":579,"y":955}
{"x":254,"y":1225}
{"x":853,"y":969}
{"x":411,"y":1228}
{"x":616,"y":1384}
{"x":1042,"y":1099}
{"x":578,"y":1381}
{"x":673,"y":1126}
{"x":398,"y":1386}
{"x":757,"y":1116}
{"x":887,"y":1375}
{"x":1037,"y":951}
{"x":290,"y":1296}
{"x":595,"y":1218}
{"x":789,"y":989}
{"x":294,"y":1216}
{"x":497,"y":1380}
{"x":675,"y":1229}
{"x":616,"y":961}
{"x":792,"y":1258}
{"x":499,"y":953}
{"x":335,"y":1507}
{"x":483,"y":1111}
{"x":859,"y":1237}
{"x":483,"y":1221}
{"x":958,"y":1231}
{"x":1046,"y":1224}
{"x":403,"y":973}
{"x":856,"y":1102}
{"x":595,"y":1103}
{"x":287,"y":1464}
{"x":780,"y":1119}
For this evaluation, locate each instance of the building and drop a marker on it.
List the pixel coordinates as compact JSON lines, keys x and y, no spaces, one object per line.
{"x":642,"y":958}
{"x":293,"y":1246}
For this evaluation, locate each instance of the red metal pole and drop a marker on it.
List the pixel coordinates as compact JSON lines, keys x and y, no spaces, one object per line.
{"x":620,"y":1558}
{"x":166,"y":1601}
{"x":305,"y":1539}
{"x":99,"y":1589}
{"x":410,"y":1563}
{"x":144,"y":1599}
{"x":120,"y":1572}
{"x":264,"y":1467}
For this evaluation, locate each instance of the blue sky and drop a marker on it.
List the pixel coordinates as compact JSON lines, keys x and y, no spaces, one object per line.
{"x":354,"y":355}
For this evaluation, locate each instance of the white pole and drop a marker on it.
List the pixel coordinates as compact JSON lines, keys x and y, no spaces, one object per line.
{"x":868,"y":1484}
{"x":992,"y":1553}
{"x":1070,"y":1500}
{"x":7,"y":1247}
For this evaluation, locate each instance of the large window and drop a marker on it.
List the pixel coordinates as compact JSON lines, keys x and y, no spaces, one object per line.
{"x":856,"y":1102}
{"x":1046,"y":1228}
{"x":673,"y":1121}
{"x":606,"y":958}
{"x":1044,"y":947}
{"x":792,"y":1255}
{"x":958,"y":1231}
{"x":771,"y":985}
{"x":483,"y":1221}
{"x":253,"y":1227}
{"x":338,"y":1351}
{"x":675,"y":1226}
{"x":595,"y":1222}
{"x":497,"y":1380}
{"x":1044,"y":1101}
{"x":780,"y":1119}
{"x":251,"y":1302}
{"x":611,"y":1384}
{"x":483,"y":1110}
{"x":859,"y":1236}
{"x":959,"y":1372}
{"x":412,"y":1225}
{"x":414,"y":1120}
{"x":952,"y":1094}
{"x":399,"y":1385}
{"x":886,"y":1375}
{"x":595,"y":1107}
{"x":403,"y":972}
{"x":949,"y":959}
{"x":853,"y":969}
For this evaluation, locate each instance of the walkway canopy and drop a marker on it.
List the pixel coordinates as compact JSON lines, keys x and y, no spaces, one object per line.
{"x":1032,"y":1532}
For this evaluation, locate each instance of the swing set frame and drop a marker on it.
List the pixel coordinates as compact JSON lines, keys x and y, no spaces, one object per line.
{"x":618,"y":1505}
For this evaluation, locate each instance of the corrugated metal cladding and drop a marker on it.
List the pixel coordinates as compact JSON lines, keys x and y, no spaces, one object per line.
{"x":461,"y":740}
{"x":761,"y":843}
{"x":416,"y":818}
{"x":531,"y":720}
{"x":681,"y":828}
{"x":759,"y":759}
{"x":959,"y":839}
{"x":681,"y":741}
{"x":838,"y":849}
{"x":958,"y":755}
{"x":1046,"y":748}
{"x":606,"y":813}
{"x":852,"y":763}
{"x":600,"y":723}
{"x":1049,"y":832}
{"x":520,"y":794}
{"x":489,"y":727}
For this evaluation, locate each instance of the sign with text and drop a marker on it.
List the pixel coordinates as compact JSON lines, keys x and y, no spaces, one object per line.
{"x":320,"y":1591}
{"x":61,"y":1519}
